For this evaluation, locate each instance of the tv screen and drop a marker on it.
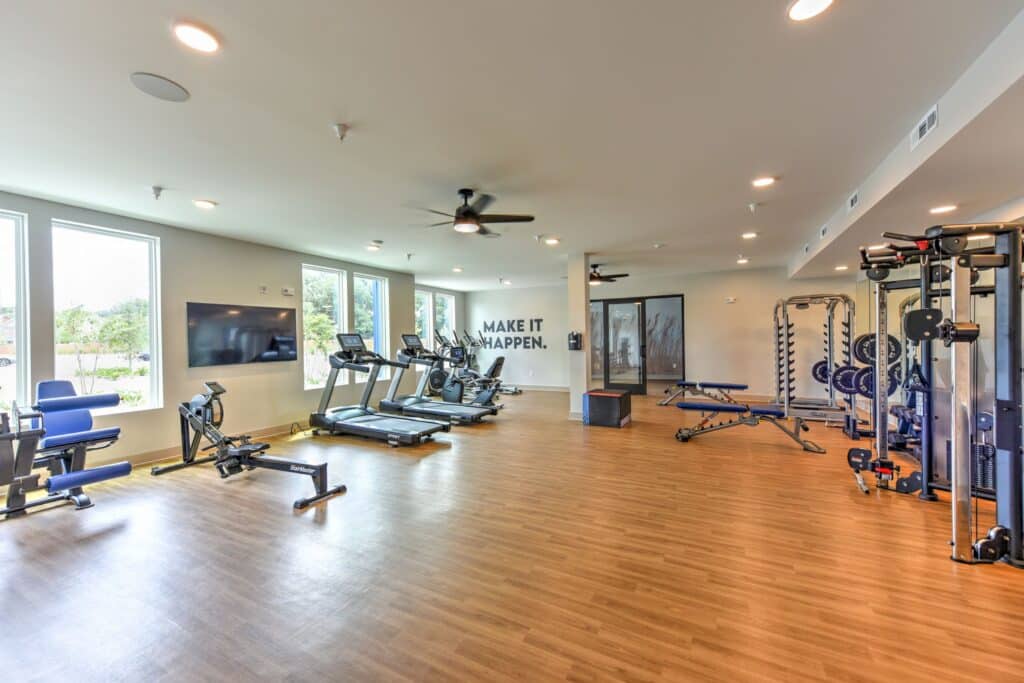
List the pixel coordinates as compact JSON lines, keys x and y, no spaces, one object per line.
{"x":228,"y":335}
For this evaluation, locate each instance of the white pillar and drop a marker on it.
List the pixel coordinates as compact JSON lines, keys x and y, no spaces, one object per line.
{"x":579,"y":321}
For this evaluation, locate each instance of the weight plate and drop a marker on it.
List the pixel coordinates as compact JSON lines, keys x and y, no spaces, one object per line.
{"x":864,"y":381}
{"x":820,"y":371}
{"x":864,"y":349}
{"x":842,"y":379}
{"x":895,"y":374}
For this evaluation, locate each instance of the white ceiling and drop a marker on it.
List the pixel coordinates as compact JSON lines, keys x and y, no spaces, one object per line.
{"x":978,"y":169}
{"x":617,"y":123}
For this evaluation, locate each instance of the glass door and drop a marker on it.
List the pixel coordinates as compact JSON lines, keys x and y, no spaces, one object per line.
{"x":625,"y":348}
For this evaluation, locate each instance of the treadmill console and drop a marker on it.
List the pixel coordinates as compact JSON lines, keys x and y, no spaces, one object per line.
{"x":412,"y":342}
{"x":352,"y":343}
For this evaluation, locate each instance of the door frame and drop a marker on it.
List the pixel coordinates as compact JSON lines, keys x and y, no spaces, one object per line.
{"x":640,"y":388}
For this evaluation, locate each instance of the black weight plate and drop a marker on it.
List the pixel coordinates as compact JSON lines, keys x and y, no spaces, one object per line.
{"x":864,"y":349}
{"x":820,"y":371}
{"x":842,"y":379}
{"x":864,"y":381}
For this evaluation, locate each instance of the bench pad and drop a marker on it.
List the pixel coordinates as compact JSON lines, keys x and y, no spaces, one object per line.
{"x":772,"y":411}
{"x":711,"y":407}
{"x":724,"y":385}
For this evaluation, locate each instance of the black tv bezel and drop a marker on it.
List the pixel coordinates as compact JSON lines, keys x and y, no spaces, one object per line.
{"x":188,"y":333}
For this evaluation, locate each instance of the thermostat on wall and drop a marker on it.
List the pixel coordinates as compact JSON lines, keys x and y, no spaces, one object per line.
{"x":730,"y":299}
{"x":288,"y":291}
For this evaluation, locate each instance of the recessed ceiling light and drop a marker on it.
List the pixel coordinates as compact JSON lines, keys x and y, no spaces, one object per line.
{"x":205,"y":204}
{"x":842,"y":267}
{"x":766,"y":181}
{"x":749,"y":235}
{"x":658,"y":245}
{"x":876,"y":247}
{"x":506,"y":282}
{"x":552,"y":241}
{"x":195,"y":37}
{"x":374,"y":245}
{"x":947,"y":208}
{"x":742,"y":260}
{"x":802,"y":10}
{"x":457,"y":269}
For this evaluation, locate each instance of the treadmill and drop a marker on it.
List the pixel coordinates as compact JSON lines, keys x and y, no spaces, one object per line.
{"x":418,"y":405}
{"x":362,"y":420}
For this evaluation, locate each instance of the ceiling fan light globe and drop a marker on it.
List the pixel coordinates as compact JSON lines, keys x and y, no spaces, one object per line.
{"x":466,"y":226}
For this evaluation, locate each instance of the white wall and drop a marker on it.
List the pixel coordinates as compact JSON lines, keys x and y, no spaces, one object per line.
{"x":724,"y":342}
{"x":534,"y":367}
{"x":200,"y":267}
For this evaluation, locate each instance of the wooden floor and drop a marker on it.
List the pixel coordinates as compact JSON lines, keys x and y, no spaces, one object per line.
{"x":531,"y":549}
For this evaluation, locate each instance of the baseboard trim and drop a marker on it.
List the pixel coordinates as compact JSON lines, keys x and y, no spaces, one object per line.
{"x":575,"y":416}
{"x":540,"y":387}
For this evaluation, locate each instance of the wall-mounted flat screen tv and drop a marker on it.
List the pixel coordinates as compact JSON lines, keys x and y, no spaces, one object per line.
{"x":228,"y":335}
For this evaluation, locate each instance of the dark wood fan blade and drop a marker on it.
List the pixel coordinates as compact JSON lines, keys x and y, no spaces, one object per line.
{"x":441,"y":213}
{"x":504,"y":218}
{"x":481,"y":203}
{"x":484,"y":232}
{"x":434,"y":225}
{"x":614,"y":275}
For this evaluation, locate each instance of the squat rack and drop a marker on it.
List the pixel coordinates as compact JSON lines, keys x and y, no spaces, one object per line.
{"x":834,"y":407}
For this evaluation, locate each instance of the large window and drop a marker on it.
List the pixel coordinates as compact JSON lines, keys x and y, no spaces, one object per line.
{"x":106,"y":303}
{"x":444,"y":314}
{"x":370,"y":302}
{"x":323,"y":316}
{"x":14,"y":376}
{"x":425,"y":318}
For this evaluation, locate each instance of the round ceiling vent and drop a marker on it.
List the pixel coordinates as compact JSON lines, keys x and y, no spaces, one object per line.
{"x":159,"y":87}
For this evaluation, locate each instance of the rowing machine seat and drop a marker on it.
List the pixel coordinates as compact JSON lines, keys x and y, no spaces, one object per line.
{"x":709,"y":407}
{"x":724,"y":385}
{"x":770,"y":411}
{"x":685,"y":383}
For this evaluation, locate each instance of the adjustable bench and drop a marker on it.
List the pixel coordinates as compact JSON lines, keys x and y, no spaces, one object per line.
{"x":56,"y":434}
{"x":716,"y":391}
{"x":751,"y":416}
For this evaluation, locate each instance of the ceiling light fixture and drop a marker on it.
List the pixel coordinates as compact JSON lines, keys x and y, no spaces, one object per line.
{"x":195,"y":37}
{"x":205,"y":204}
{"x":374,"y":245}
{"x":766,"y":181}
{"x":842,"y":267}
{"x":946,"y":208}
{"x":457,"y":269}
{"x":595,"y":283}
{"x":749,"y":235}
{"x":466,"y":225}
{"x":552,"y":241}
{"x":658,"y":245}
{"x":802,"y":10}
{"x":505,"y":282}
{"x":742,"y":260}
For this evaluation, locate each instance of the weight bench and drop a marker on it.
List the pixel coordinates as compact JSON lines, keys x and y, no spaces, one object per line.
{"x":56,"y":434}
{"x":716,"y":391}
{"x":751,"y":416}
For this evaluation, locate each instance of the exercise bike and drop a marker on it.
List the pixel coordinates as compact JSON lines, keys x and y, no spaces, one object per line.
{"x":457,"y":385}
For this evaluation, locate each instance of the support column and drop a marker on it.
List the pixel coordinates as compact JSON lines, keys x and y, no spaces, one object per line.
{"x":578,"y":318}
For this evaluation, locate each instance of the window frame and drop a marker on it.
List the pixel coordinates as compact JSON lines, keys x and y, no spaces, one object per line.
{"x":22,"y":315}
{"x":428,"y":334}
{"x":454,"y":323}
{"x":156,"y":355}
{"x":383,"y":308}
{"x":341,"y":275}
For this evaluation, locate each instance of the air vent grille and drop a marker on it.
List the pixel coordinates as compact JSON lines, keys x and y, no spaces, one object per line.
{"x":925,"y":126}
{"x":852,"y":202}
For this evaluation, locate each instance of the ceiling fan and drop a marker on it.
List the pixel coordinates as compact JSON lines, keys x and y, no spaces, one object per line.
{"x":470,"y":218}
{"x":596,"y":277}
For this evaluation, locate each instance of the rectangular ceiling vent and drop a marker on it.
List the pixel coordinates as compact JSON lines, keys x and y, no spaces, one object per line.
{"x":823,"y":231}
{"x":851,"y":203}
{"x":925,"y":126}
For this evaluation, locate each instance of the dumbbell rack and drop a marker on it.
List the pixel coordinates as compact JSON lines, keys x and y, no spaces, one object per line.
{"x":835,"y":408}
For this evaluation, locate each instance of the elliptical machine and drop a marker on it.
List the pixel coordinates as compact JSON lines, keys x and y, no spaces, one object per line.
{"x":458,"y":383}
{"x":202,"y":417}
{"x":473,"y":345}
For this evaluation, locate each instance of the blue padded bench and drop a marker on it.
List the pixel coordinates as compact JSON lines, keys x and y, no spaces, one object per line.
{"x":720,"y":392}
{"x":751,"y":416}
{"x":58,"y":435}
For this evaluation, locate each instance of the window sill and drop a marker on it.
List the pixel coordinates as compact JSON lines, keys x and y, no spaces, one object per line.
{"x":110,"y":412}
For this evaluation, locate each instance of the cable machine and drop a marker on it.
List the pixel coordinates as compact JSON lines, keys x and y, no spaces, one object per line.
{"x":969,"y":442}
